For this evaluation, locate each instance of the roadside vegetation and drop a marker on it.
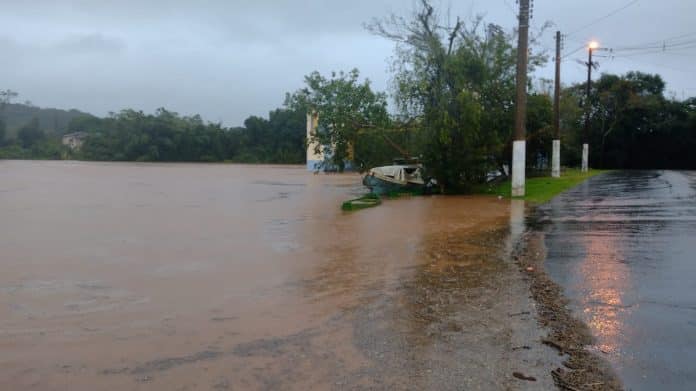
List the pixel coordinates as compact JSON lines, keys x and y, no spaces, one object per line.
{"x":540,"y":189}
{"x":453,"y":88}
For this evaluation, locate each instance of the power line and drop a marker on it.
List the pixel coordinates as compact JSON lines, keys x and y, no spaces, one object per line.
{"x":648,"y":52}
{"x":677,"y":49}
{"x":612,"y":13}
{"x":691,"y":72}
{"x":658,"y":42}
{"x":688,"y":55}
{"x":573,"y":52}
{"x":664,"y":45}
{"x":673,"y":45}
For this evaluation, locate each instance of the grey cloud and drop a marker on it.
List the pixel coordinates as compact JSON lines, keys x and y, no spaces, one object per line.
{"x":228,"y":59}
{"x":95,"y":43}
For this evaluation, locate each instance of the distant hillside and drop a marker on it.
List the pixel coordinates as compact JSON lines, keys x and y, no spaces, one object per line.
{"x":51,"y":121}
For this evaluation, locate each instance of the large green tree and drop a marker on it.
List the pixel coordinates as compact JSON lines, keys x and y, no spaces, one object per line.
{"x":345,"y":106}
{"x":456,"y":81}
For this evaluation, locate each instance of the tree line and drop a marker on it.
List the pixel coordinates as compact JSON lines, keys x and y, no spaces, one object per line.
{"x":166,"y":136}
{"x":632,"y":124}
{"x":131,"y":135}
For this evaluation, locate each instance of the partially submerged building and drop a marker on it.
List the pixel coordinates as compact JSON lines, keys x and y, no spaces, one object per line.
{"x":319,"y":156}
{"x":315,"y":156}
{"x":74,"y":140}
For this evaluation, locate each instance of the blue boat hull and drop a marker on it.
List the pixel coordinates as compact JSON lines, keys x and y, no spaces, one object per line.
{"x":381,"y":187}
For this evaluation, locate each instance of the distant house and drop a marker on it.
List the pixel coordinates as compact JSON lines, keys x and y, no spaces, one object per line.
{"x":74,"y":140}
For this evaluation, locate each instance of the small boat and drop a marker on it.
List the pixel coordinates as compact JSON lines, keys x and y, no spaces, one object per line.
{"x":397,"y":178}
{"x":366,"y":201}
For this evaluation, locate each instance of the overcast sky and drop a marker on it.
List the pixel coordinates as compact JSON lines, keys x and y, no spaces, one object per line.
{"x":229,"y":59}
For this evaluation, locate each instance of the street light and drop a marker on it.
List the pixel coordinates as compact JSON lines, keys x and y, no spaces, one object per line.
{"x":592,"y":45}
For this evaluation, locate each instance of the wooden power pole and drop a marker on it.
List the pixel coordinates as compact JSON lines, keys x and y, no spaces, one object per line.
{"x":519,"y":144}
{"x":556,"y":152}
{"x":588,"y":106}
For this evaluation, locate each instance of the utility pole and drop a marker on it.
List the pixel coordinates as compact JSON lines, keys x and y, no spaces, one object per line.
{"x":556,"y":152}
{"x":519,"y":144}
{"x":586,"y":136}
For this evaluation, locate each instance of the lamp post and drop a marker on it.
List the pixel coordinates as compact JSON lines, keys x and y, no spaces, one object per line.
{"x":586,"y":136}
{"x":556,"y":144}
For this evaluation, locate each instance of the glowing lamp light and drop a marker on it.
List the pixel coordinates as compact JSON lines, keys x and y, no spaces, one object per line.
{"x":593,"y":45}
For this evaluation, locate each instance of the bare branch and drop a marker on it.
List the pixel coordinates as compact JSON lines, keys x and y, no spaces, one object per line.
{"x":453,"y":35}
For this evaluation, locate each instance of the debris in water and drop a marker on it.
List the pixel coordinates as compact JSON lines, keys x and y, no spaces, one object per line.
{"x":522,"y":376}
{"x":520,"y":313}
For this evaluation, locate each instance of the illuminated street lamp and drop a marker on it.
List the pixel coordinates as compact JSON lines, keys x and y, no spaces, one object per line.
{"x":592,"y":45}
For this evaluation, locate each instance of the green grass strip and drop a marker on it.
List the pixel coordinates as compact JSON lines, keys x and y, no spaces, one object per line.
{"x":540,"y":189}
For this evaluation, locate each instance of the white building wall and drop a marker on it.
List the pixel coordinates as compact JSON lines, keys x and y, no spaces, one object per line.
{"x":314,"y":159}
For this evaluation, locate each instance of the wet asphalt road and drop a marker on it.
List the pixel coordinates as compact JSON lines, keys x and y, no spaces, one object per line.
{"x":623,"y":246}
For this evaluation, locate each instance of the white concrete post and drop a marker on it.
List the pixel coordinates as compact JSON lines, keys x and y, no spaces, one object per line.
{"x":556,"y":159}
{"x":585,"y":157}
{"x":519,"y":144}
{"x":518,"y":167}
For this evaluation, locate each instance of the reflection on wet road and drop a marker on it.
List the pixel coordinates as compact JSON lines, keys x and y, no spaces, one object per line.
{"x":623,"y":246}
{"x":187,"y":277}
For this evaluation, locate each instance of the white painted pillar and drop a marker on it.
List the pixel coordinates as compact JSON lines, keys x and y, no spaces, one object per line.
{"x":585,"y":157}
{"x":518,"y":167}
{"x":556,"y":159}
{"x":313,"y":158}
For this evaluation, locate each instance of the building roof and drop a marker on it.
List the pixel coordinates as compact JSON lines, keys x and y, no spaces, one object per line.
{"x":76,"y":135}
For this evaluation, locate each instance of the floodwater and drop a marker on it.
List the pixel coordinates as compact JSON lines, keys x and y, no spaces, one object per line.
{"x":193,"y":276}
{"x":623,"y":245}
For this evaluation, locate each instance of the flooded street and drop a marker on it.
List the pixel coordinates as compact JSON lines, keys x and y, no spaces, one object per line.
{"x":193,"y":276}
{"x":623,"y":247}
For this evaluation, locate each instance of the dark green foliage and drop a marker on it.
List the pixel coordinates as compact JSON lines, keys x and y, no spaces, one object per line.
{"x":133,"y":135}
{"x":379,"y":147}
{"x":457,"y":82}
{"x":30,"y":134}
{"x":540,"y":132}
{"x":165,"y":136}
{"x":345,"y":107}
{"x":632,"y":124}
{"x":50,"y":121}
{"x":48,"y":148}
{"x":6,"y":97}
{"x":278,"y":139}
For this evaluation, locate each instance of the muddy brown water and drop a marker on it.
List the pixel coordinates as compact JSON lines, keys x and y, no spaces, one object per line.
{"x":184,"y":276}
